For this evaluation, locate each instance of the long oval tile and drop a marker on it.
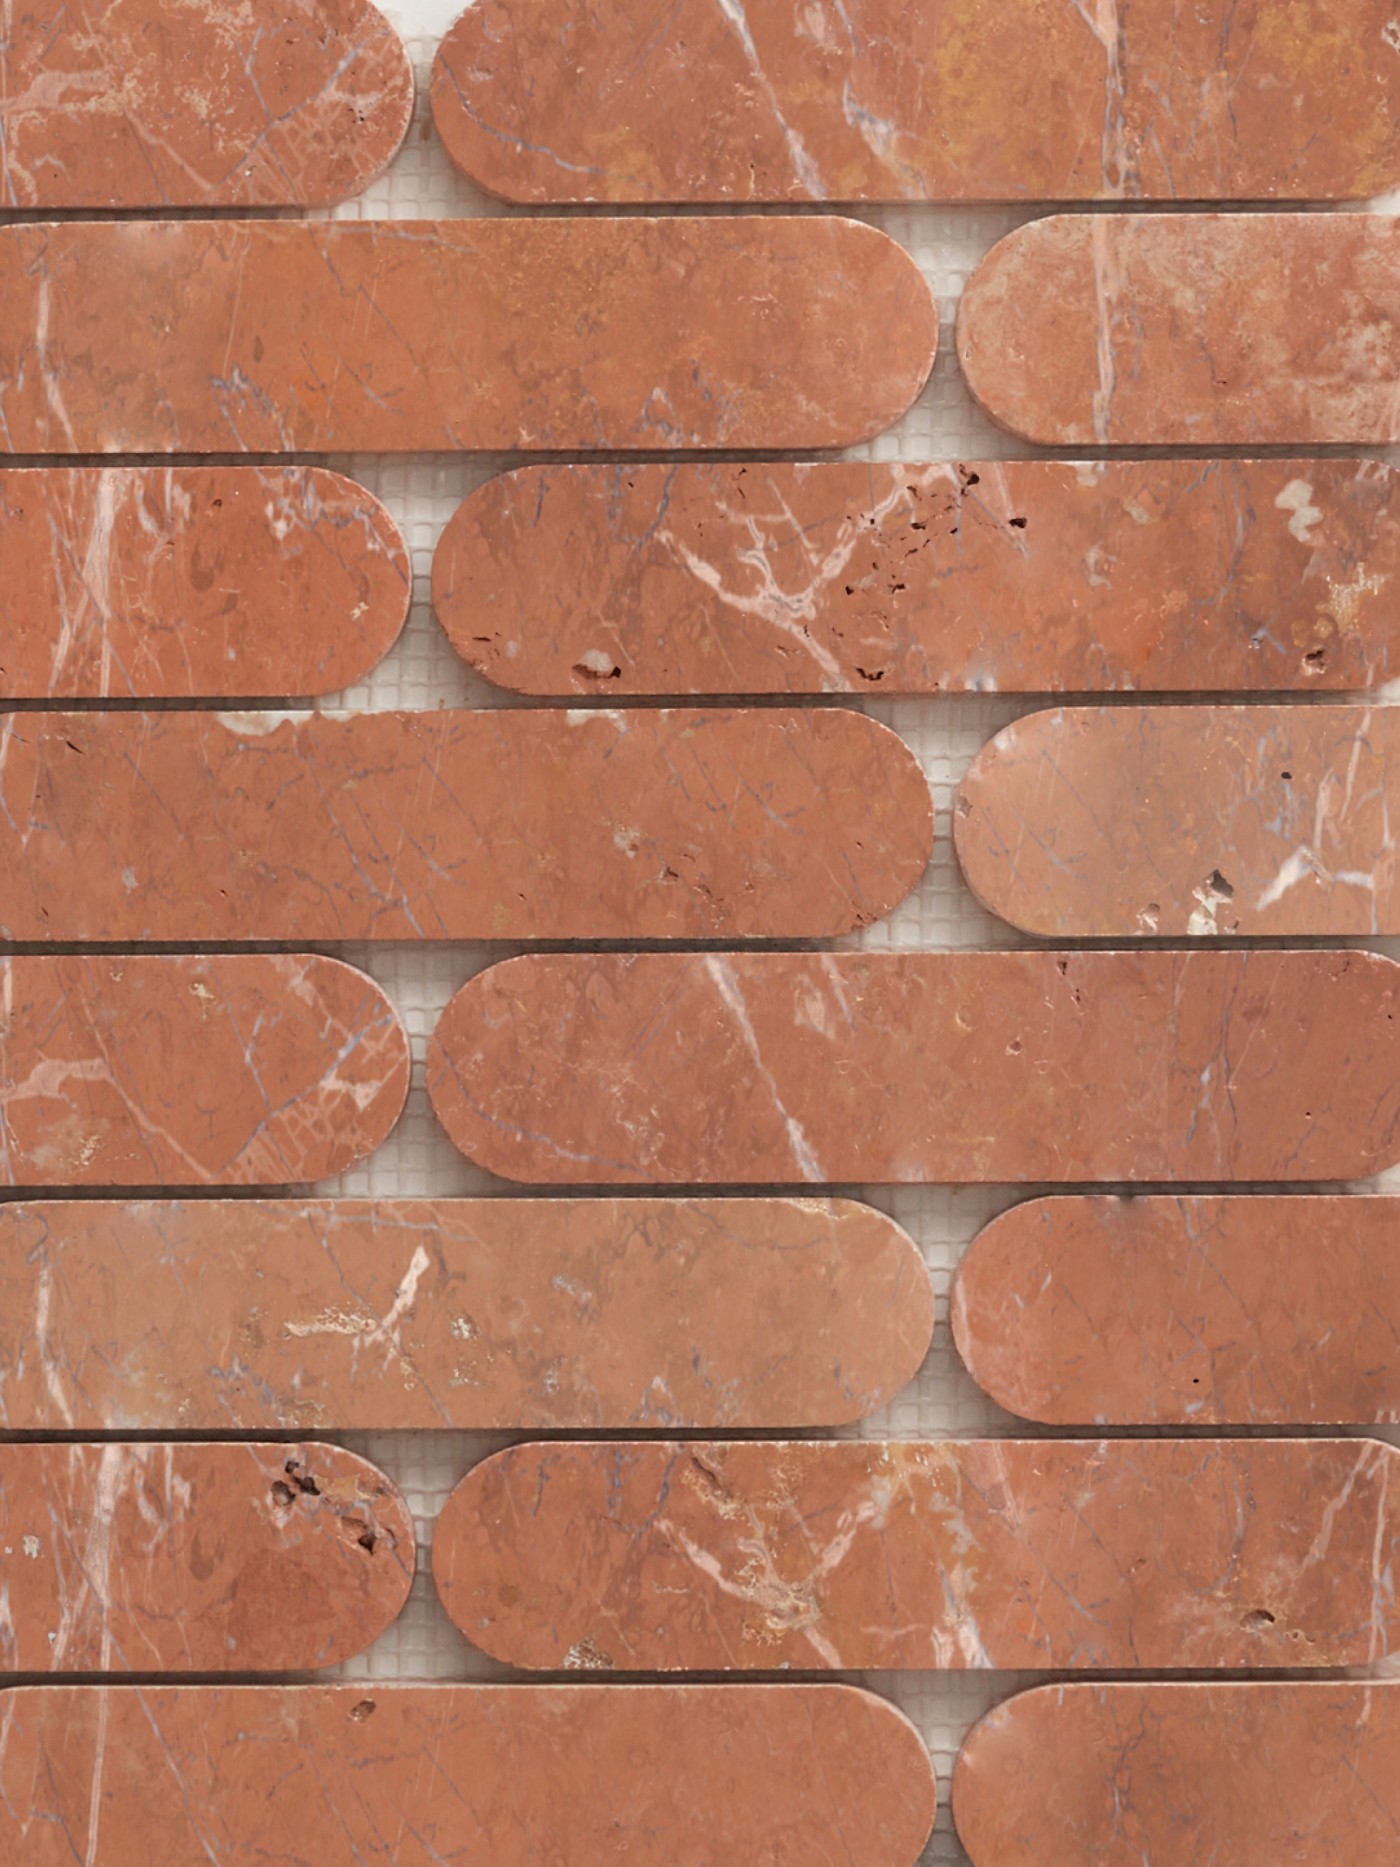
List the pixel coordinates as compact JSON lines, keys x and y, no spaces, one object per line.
{"x":217,"y":1070}
{"x":1123,"y":1553}
{"x":840,"y":1069}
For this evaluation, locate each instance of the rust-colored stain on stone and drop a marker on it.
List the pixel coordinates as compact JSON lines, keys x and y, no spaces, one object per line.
{"x":1260,"y":1311}
{"x":286,"y":337}
{"x":839,"y":1069}
{"x":358,"y":1315}
{"x":220,"y":1070}
{"x":1196,"y":821}
{"x":138,"y":583}
{"x":1189,"y":330}
{"x":498,"y":824}
{"x":369,"y":1774}
{"x":1257,"y":1774}
{"x":924,"y":578}
{"x":125,"y":1558}
{"x":995,"y":1553}
{"x":938,"y":100}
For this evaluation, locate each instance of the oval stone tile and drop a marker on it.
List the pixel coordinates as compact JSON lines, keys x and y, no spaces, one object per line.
{"x":1264,"y":1311}
{"x":840,"y":1069}
{"x":159,"y":104}
{"x":941,"y":100}
{"x":1034,"y":576}
{"x":380,"y":1315}
{"x":1189,"y":330}
{"x":144,"y":583}
{"x":196,"y":1558}
{"x":283,"y":337}
{"x":698,"y":1556}
{"x":216,"y":1070}
{"x":502,"y":824}
{"x":1199,"y":821}
{"x":386,"y":1775}
{"x":1255,"y":1774}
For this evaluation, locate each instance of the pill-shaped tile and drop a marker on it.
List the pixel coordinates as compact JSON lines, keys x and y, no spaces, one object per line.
{"x":1197,"y":821}
{"x":1259,"y":1311}
{"x":369,"y":1774}
{"x":938,"y":100}
{"x":688,"y":1556}
{"x":149,"y":583}
{"x":216,"y":1070}
{"x":840,"y":1069}
{"x":127,"y":1558}
{"x":1259,"y":1774}
{"x":280,"y":337}
{"x":496,"y":824}
{"x":1189,"y":330}
{"x":381,"y":1315}
{"x":911,"y":577}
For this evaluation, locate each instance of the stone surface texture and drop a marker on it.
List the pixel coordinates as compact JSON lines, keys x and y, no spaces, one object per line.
{"x":160,"y":104}
{"x":941,"y":100}
{"x":1189,"y":330}
{"x":926,"y":578}
{"x":137,"y":583}
{"x":218,"y":1070}
{"x":195,"y":1557}
{"x":497,"y":824}
{"x":1193,"y":1311}
{"x":373,"y":1775}
{"x":686,"y":1556}
{"x":280,"y":337}
{"x":357,"y":1315}
{"x":840,"y":1069}
{"x":1196,"y":821}
{"x":1260,"y":1775}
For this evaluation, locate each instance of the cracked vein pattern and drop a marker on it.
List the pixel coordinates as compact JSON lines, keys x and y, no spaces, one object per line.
{"x":194,"y":1558}
{"x":470,"y":825}
{"x":161,"y":104}
{"x":214,"y":1070}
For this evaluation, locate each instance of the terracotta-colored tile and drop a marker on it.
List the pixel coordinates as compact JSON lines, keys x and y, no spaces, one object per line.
{"x":1201,"y":821}
{"x":218,"y":1070}
{"x":994,"y":1553}
{"x":984,"y":100}
{"x":159,"y":104}
{"x":247,"y":1315}
{"x":1189,"y":330}
{"x":195,"y":1558}
{"x":1256,"y":1775}
{"x":1260,"y":1311}
{"x":384,"y":336}
{"x":136,"y":583}
{"x":373,"y":1775}
{"x":499,"y":824}
{"x":924,"y":578}
{"x":838,"y":1069}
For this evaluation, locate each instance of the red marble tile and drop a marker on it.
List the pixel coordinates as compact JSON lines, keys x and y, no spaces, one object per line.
{"x":1198,"y":821}
{"x":137,"y":583}
{"x":195,"y":1558}
{"x":373,"y":1775}
{"x":281,"y":337}
{"x":492,"y":825}
{"x":219,"y":1070}
{"x":249,"y":1315}
{"x":159,"y":104}
{"x":925,"y":578}
{"x":760,"y":1069}
{"x":1189,"y":330}
{"x":1126,"y":1553}
{"x":1261,"y":1311}
{"x":940,"y":100}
